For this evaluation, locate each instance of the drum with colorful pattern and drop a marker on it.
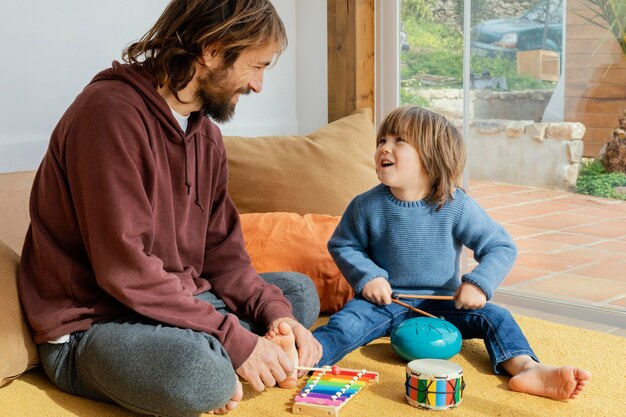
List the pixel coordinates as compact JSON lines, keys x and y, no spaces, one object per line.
{"x":435,"y":384}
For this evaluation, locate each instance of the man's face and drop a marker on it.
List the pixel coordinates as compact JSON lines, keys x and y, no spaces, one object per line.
{"x":219,"y":87}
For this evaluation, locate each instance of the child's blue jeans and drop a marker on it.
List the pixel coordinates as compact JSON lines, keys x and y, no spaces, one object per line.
{"x":157,"y":369}
{"x":360,"y":322}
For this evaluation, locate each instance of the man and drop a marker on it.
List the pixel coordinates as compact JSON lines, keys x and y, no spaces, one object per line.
{"x":134,"y":275}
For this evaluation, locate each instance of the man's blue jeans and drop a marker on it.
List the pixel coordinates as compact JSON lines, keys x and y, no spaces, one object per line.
{"x":360,"y":322}
{"x":156,"y":369}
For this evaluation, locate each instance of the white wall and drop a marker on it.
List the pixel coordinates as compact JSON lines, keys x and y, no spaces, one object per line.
{"x":52,"y":49}
{"x":311,"y":65}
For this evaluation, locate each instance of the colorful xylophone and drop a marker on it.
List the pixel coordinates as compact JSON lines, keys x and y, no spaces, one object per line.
{"x":328,"y":389}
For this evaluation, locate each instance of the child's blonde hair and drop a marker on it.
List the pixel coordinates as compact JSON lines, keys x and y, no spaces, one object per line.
{"x":438,"y":143}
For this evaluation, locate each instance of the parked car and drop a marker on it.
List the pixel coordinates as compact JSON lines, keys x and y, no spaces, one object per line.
{"x":507,"y":36}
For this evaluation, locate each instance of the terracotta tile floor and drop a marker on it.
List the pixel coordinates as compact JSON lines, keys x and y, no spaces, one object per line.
{"x":571,"y":247}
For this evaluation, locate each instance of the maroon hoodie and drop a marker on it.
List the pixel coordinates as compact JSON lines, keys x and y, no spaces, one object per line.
{"x":130,"y":213}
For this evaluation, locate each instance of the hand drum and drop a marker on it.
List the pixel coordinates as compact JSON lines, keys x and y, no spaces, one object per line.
{"x":426,"y":338}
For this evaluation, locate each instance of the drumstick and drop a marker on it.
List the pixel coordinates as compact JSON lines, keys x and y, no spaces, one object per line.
{"x":395,"y":296}
{"x":410,"y":307}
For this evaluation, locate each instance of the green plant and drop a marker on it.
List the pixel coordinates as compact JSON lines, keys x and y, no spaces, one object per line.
{"x":612,"y":156}
{"x":611,"y":13}
{"x":436,"y":50}
{"x":409,"y":95}
{"x":426,"y":35}
{"x":594,"y":180}
{"x":416,"y":9}
{"x":501,"y":66}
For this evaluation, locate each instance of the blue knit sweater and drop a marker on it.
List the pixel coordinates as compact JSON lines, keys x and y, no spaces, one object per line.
{"x":417,"y":248}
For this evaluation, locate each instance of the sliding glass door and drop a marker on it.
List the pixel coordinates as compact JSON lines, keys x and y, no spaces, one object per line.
{"x":499,"y":71}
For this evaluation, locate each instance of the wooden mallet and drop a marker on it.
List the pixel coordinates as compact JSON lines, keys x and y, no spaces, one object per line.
{"x":395,"y":296}
{"x":335,"y":370}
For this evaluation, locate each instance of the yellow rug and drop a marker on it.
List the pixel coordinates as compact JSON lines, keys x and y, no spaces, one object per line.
{"x":485,"y":394}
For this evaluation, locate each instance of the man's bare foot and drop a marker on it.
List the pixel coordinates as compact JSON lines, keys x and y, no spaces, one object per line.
{"x":561,"y":383}
{"x":283,"y":336}
{"x":234,"y":400}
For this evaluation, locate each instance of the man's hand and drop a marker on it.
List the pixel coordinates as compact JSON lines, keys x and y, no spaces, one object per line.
{"x":266,"y":365}
{"x":309,"y":349}
{"x":469,"y":297}
{"x":377,"y":291}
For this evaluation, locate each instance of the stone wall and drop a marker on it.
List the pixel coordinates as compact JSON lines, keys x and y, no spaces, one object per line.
{"x":490,"y":104}
{"x":525,"y":153}
{"x":514,"y":105}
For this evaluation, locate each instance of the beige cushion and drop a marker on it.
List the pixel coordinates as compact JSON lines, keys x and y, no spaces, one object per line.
{"x":17,"y":350}
{"x":14,"y":219}
{"x":319,"y":173}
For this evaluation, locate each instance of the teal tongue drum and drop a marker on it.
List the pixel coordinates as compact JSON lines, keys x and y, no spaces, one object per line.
{"x":426,"y":338}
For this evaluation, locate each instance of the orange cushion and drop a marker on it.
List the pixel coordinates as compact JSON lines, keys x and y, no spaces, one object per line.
{"x":291,"y":242}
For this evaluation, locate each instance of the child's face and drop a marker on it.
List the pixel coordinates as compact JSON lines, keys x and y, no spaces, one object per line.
{"x":399,"y":166}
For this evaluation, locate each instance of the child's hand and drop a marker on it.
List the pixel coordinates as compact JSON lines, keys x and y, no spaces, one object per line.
{"x":469,"y":297}
{"x":377,"y":291}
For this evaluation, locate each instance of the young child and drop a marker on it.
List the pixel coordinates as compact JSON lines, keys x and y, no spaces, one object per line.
{"x":406,"y":235}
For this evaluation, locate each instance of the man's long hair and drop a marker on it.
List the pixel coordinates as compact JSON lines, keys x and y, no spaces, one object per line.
{"x":439,"y":145}
{"x":188,"y":27}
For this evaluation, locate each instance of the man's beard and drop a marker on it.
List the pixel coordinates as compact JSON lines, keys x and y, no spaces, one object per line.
{"x":216,"y":101}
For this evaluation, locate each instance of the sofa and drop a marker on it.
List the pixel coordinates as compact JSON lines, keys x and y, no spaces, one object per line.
{"x":290,"y":192}
{"x":289,"y":207}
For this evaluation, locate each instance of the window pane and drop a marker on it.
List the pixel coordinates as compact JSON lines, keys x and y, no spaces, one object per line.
{"x":534,"y":65}
{"x":431,"y":58}
{"x":516,"y":55}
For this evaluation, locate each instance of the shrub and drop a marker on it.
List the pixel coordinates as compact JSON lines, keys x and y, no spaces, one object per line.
{"x":613,"y":153}
{"x":416,"y":9}
{"x":594,"y":180}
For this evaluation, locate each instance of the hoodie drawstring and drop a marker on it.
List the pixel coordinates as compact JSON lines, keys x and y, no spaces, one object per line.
{"x":187,"y":182}
{"x":197,"y":201}
{"x":196,"y":173}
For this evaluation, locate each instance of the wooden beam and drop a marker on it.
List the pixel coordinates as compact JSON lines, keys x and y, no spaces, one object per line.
{"x":350,"y":56}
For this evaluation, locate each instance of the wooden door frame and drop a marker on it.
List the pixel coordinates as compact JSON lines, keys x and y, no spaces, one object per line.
{"x":350,"y":30}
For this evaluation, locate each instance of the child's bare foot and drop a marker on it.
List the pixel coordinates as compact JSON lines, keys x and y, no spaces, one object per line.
{"x":283,"y":336}
{"x":561,"y":383}
{"x":234,"y":401}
